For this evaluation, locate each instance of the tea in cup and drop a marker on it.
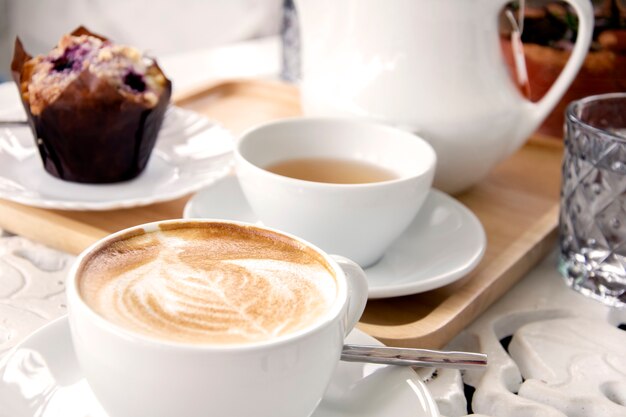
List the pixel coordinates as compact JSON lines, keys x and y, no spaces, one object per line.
{"x":348,"y":186}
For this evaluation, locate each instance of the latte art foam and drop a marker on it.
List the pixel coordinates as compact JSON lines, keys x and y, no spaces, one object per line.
{"x":208,"y":285}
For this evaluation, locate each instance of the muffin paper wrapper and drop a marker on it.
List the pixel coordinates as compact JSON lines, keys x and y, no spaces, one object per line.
{"x":91,"y":133}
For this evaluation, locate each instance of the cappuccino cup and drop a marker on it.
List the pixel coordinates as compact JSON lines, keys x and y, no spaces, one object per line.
{"x":362,"y":212}
{"x":209,"y":317}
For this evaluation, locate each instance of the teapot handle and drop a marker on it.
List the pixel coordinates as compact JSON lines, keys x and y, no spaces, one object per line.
{"x":537,"y":112}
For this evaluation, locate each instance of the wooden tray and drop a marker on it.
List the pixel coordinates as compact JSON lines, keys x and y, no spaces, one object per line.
{"x":517,"y":204}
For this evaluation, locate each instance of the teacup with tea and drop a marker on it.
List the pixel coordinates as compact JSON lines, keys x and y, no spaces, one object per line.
{"x":348,"y":186}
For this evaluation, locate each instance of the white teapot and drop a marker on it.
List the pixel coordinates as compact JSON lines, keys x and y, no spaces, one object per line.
{"x":433,"y":67}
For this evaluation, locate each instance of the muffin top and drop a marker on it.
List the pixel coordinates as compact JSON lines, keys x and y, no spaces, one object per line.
{"x":135,"y":76}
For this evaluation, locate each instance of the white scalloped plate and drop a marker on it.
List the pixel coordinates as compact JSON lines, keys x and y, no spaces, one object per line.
{"x":191,"y":152}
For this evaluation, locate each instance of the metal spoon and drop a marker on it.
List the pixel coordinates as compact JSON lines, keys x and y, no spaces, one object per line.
{"x":8,"y":123}
{"x":412,"y":357}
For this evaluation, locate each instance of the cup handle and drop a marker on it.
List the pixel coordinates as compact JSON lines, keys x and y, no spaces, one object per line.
{"x":357,"y":290}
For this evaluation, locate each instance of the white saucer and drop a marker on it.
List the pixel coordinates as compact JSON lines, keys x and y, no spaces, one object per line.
{"x":444,"y":242}
{"x":191,"y":152}
{"x":41,"y":378}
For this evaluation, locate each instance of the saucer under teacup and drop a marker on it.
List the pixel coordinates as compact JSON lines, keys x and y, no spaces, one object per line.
{"x":41,"y":377}
{"x":444,"y":242}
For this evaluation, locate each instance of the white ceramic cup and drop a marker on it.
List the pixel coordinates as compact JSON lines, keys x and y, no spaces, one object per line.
{"x":355,"y":220}
{"x":134,"y":375}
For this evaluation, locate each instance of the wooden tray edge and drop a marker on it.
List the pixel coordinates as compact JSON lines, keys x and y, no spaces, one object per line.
{"x":53,"y":230}
{"x":439,"y":327}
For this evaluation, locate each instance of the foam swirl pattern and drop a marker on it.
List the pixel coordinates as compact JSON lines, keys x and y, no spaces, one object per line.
{"x":208,"y":286}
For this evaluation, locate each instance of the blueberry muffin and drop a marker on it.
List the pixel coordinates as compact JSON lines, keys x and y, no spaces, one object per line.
{"x":95,"y":107}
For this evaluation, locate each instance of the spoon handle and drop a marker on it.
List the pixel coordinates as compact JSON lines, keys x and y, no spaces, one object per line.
{"x":412,"y":357}
{"x":7,"y":123}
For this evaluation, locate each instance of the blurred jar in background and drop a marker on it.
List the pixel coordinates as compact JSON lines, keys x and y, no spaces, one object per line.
{"x":549,"y":32}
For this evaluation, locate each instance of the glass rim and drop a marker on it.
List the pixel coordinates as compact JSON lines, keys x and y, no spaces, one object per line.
{"x":574,"y":105}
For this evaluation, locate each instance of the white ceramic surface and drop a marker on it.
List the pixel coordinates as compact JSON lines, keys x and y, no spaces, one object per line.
{"x":41,"y":378}
{"x":565,"y":356}
{"x":355,"y":220}
{"x":176,"y":378}
{"x":433,"y":67}
{"x":444,"y":242}
{"x":191,"y":152}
